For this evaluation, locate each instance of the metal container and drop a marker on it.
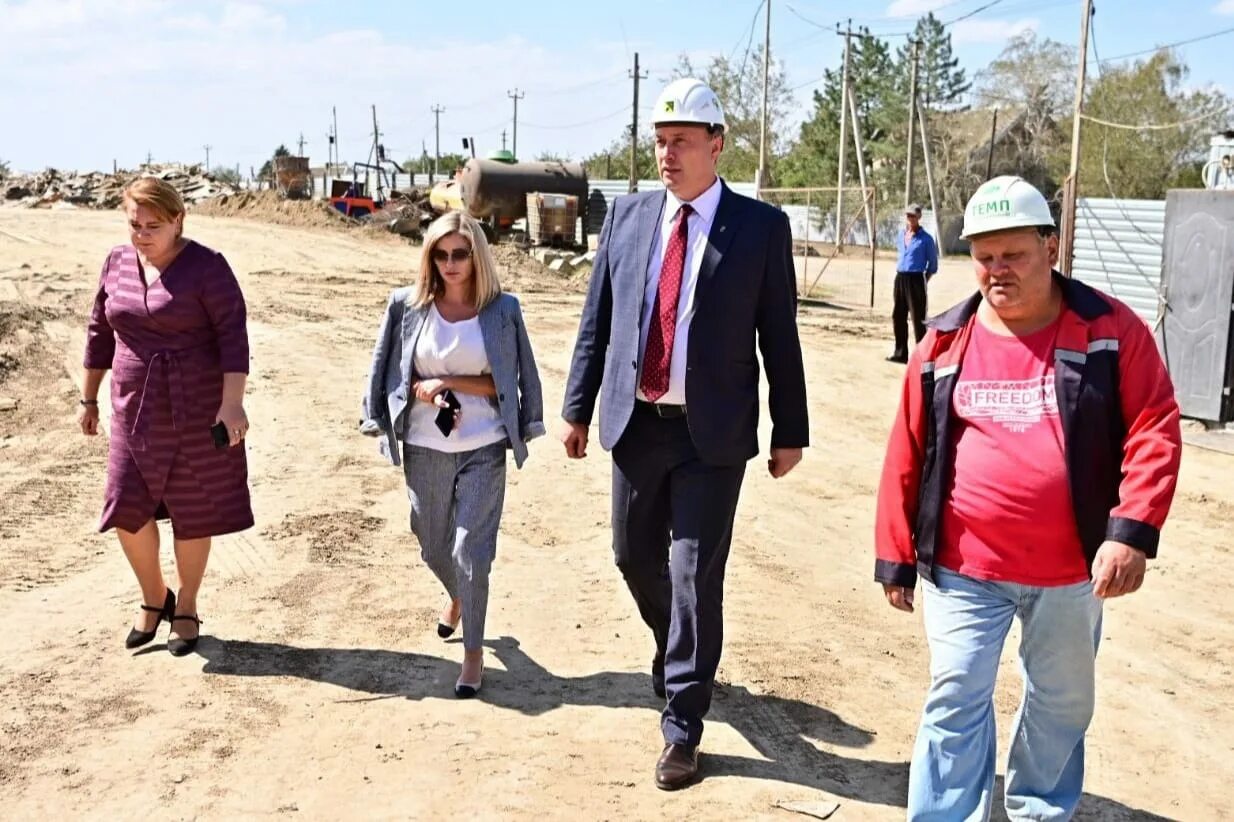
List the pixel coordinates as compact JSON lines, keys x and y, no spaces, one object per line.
{"x":551,"y":218}
{"x":491,"y":188}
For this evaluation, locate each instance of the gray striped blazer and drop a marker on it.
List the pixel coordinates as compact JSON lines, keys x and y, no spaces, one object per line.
{"x":519,"y":399}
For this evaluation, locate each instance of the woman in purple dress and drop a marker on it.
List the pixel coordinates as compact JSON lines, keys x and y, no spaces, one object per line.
{"x":169,"y":323}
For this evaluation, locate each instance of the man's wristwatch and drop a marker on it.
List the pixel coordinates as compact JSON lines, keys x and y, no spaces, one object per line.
{"x":89,"y":402}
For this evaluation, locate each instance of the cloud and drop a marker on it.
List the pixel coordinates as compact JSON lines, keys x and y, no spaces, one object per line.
{"x":1224,"y":7}
{"x":108,"y":79}
{"x":915,"y":8}
{"x":994,"y":32}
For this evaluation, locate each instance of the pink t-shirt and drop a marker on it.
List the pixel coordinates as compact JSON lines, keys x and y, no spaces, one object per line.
{"x":1008,"y":515}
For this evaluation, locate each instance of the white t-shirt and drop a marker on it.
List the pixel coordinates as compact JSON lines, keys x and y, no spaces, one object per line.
{"x":452,"y":349}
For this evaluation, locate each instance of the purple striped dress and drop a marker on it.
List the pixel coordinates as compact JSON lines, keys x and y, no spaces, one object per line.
{"x":168,"y":346}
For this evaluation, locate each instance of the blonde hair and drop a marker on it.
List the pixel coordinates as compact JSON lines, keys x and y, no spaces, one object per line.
{"x":157,"y":195}
{"x":429,"y":284}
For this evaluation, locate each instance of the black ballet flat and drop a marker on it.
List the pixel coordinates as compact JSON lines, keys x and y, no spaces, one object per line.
{"x":137,"y":638}
{"x":445,"y":631}
{"x":468,"y":690}
{"x":177,"y":646}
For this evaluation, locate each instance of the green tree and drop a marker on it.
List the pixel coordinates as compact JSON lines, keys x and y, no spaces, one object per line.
{"x":1144,"y":163}
{"x":267,"y":169}
{"x":613,"y":163}
{"x":940,"y":81}
{"x":881,"y":121}
{"x":224,"y":174}
{"x":739,"y":85}
{"x":1029,"y":73}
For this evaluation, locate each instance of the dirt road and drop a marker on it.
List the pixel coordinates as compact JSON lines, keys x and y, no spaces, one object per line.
{"x":321,"y":690}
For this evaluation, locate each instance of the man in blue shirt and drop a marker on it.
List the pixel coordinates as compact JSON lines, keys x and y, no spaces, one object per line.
{"x":918,"y":262}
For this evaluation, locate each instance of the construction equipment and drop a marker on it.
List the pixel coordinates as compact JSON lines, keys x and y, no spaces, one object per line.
{"x":292,"y":178}
{"x":352,"y":197}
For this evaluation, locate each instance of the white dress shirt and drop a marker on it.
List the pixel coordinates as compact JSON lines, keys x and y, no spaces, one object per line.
{"x":698,"y":227}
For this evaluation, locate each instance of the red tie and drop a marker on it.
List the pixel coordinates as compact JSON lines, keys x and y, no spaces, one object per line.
{"x":659,"y":352}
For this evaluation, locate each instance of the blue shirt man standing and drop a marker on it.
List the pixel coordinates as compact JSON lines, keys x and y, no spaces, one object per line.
{"x":918,"y":261}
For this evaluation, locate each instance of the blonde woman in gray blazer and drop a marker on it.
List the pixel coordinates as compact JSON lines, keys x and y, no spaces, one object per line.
{"x":453,"y":386}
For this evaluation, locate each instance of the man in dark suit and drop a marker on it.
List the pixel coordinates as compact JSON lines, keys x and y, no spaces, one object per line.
{"x":683,"y":282}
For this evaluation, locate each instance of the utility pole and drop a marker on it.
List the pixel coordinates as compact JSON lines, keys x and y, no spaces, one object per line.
{"x":1072,"y":187}
{"x":334,"y":111}
{"x":989,"y":160}
{"x":515,"y":96}
{"x":503,"y":139}
{"x":207,"y":147}
{"x":929,"y":167}
{"x":634,"y":127}
{"x":301,"y":150}
{"x":861,"y":166}
{"x":437,"y":110}
{"x":760,"y":179}
{"x":375,"y":153}
{"x":848,"y":36}
{"x":912,"y":121}
{"x":149,"y":158}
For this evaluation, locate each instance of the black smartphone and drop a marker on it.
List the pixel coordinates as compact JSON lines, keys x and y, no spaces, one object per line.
{"x":218,"y":432}
{"x":445,"y":417}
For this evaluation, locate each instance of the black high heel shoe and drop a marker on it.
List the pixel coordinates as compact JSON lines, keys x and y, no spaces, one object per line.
{"x":137,"y":638}
{"x":178,"y":646}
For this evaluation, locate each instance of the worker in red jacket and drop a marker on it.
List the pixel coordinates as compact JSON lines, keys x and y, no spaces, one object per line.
{"x":1030,"y":469}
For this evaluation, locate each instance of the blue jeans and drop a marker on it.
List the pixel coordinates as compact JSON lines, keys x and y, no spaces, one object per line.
{"x":966,"y":622}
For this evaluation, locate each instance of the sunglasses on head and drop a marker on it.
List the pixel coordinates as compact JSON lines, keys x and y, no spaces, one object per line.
{"x":458,"y":255}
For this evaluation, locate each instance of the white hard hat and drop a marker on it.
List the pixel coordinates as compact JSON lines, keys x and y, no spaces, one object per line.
{"x":688,"y":101}
{"x":1005,"y":202}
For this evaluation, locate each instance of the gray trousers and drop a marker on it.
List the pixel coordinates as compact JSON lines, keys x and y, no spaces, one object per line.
{"x":456,"y":502}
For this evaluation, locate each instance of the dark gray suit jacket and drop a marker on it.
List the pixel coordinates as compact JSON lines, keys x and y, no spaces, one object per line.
{"x":745,"y":286}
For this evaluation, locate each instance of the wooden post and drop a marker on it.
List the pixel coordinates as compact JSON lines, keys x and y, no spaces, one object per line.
{"x":1071,"y":189}
{"x":848,"y":36}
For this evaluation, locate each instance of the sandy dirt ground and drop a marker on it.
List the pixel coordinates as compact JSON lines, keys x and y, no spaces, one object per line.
{"x":320,"y":689}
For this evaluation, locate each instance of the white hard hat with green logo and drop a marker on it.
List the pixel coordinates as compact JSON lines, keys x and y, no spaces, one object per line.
{"x":1003,"y":203}
{"x":688,"y":101}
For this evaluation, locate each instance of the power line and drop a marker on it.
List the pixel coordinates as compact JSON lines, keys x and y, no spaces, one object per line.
{"x":1151,"y":126}
{"x":600,"y":119}
{"x":749,"y":37}
{"x":1156,"y":49}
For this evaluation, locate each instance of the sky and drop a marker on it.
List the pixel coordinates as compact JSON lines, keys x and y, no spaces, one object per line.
{"x":88,"y":83}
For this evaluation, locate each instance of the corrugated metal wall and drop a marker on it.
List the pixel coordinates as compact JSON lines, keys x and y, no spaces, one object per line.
{"x":1118,"y":250}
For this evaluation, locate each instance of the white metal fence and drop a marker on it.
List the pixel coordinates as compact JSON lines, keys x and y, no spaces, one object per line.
{"x":1118,"y":250}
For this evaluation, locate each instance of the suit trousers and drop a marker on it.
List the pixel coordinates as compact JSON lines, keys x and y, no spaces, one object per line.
{"x":672,"y":528}
{"x":910,"y":298}
{"x":456,"y":501}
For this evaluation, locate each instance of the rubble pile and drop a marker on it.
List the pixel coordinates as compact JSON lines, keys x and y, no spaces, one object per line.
{"x":406,"y":213}
{"x":56,"y":189}
{"x":272,"y":207}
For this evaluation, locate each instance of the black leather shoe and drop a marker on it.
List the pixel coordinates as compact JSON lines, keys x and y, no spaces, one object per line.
{"x":137,"y":638}
{"x":182,"y":647}
{"x":677,"y":767}
{"x":897,"y":358}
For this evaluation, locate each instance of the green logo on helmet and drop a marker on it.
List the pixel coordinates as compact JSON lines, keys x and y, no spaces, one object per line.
{"x":992,"y":208}
{"x":669,"y":105}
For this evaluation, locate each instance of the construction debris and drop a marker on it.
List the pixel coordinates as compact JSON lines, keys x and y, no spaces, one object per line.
{"x":98,"y":190}
{"x":271,"y":207}
{"x":405,"y":213}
